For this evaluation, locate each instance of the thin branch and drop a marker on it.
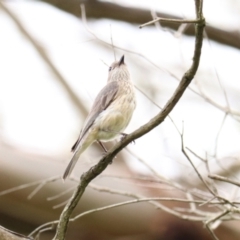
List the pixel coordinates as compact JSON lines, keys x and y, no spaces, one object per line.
{"x":212,"y":233}
{"x":60,"y":204}
{"x":154,"y":15}
{"x":217,"y":75}
{"x":219,"y":133}
{"x":138,"y":199}
{"x":212,"y":191}
{"x":186,"y":217}
{"x":44,"y":230}
{"x":151,"y":169}
{"x":92,"y":173}
{"x":195,"y":154}
{"x":217,"y":105}
{"x":205,"y":161}
{"x":84,"y":20}
{"x":112,"y":43}
{"x":162,"y":179}
{"x":36,"y":190}
{"x":224,"y":179}
{"x":214,"y":219}
{"x":195,"y":192}
{"x":208,"y":201}
{"x":61,"y":194}
{"x":6,"y":234}
{"x":23,"y":186}
{"x":155,"y":104}
{"x":181,"y":30}
{"x":193,"y":166}
{"x":58,"y":76}
{"x":130,"y":194}
{"x":43,"y":226}
{"x":169,"y":20}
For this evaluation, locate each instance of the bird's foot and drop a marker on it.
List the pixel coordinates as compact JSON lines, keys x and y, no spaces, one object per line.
{"x":102,"y":146}
{"x":124,"y":135}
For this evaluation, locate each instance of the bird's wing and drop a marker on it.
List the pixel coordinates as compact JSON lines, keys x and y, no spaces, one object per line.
{"x":105,"y":97}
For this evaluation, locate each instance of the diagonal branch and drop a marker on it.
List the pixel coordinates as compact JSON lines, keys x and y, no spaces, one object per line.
{"x":56,"y":73}
{"x":88,"y":176}
{"x":224,"y":179}
{"x":6,"y":234}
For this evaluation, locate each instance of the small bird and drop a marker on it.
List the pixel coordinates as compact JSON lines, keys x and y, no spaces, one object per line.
{"x":110,"y":114}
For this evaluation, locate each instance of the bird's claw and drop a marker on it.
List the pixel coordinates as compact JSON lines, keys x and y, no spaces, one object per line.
{"x":124,"y":135}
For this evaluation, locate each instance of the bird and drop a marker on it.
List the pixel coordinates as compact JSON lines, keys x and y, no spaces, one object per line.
{"x":110,"y":114}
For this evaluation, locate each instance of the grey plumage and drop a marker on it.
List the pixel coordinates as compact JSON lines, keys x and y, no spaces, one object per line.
{"x":110,"y":114}
{"x":102,"y":101}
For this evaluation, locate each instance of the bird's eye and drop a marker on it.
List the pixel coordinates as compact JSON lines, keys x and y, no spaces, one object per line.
{"x":110,"y":68}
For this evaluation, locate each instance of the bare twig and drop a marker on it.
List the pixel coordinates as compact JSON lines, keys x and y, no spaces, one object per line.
{"x":43,"y":226}
{"x":217,"y":105}
{"x":6,"y":234}
{"x":84,"y":20}
{"x":112,"y":43}
{"x":138,"y":200}
{"x":195,"y":192}
{"x":212,"y":191}
{"x":154,"y":16}
{"x":43,"y":230}
{"x":169,"y":20}
{"x":219,"y":133}
{"x":152,"y":170}
{"x":61,"y":194}
{"x":224,"y":179}
{"x":217,"y":75}
{"x":155,"y":104}
{"x":214,"y":219}
{"x":196,"y":155}
{"x":142,"y":198}
{"x":212,"y":233}
{"x":193,"y":166}
{"x":60,"y":204}
{"x":23,"y":186}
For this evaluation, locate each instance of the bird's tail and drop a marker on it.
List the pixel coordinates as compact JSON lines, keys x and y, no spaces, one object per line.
{"x":73,"y":162}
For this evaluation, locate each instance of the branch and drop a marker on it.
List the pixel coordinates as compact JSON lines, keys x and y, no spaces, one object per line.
{"x":92,"y":173}
{"x":6,"y":234}
{"x":148,"y":200}
{"x":168,"y":20}
{"x":214,"y":219}
{"x":193,"y":166}
{"x":224,"y":179}
{"x":23,"y":186}
{"x":58,"y":76}
{"x":212,"y":191}
{"x":104,"y":9}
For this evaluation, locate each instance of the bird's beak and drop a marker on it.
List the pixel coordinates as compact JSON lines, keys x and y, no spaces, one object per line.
{"x":121,"y":60}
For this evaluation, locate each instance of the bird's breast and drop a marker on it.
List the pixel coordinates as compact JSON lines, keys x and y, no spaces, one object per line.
{"x":117,"y":116}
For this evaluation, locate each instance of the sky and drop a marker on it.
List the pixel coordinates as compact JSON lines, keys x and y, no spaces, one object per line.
{"x":37,"y":115}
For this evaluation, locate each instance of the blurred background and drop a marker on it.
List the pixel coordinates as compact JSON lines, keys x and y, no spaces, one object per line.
{"x":53,"y":62}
